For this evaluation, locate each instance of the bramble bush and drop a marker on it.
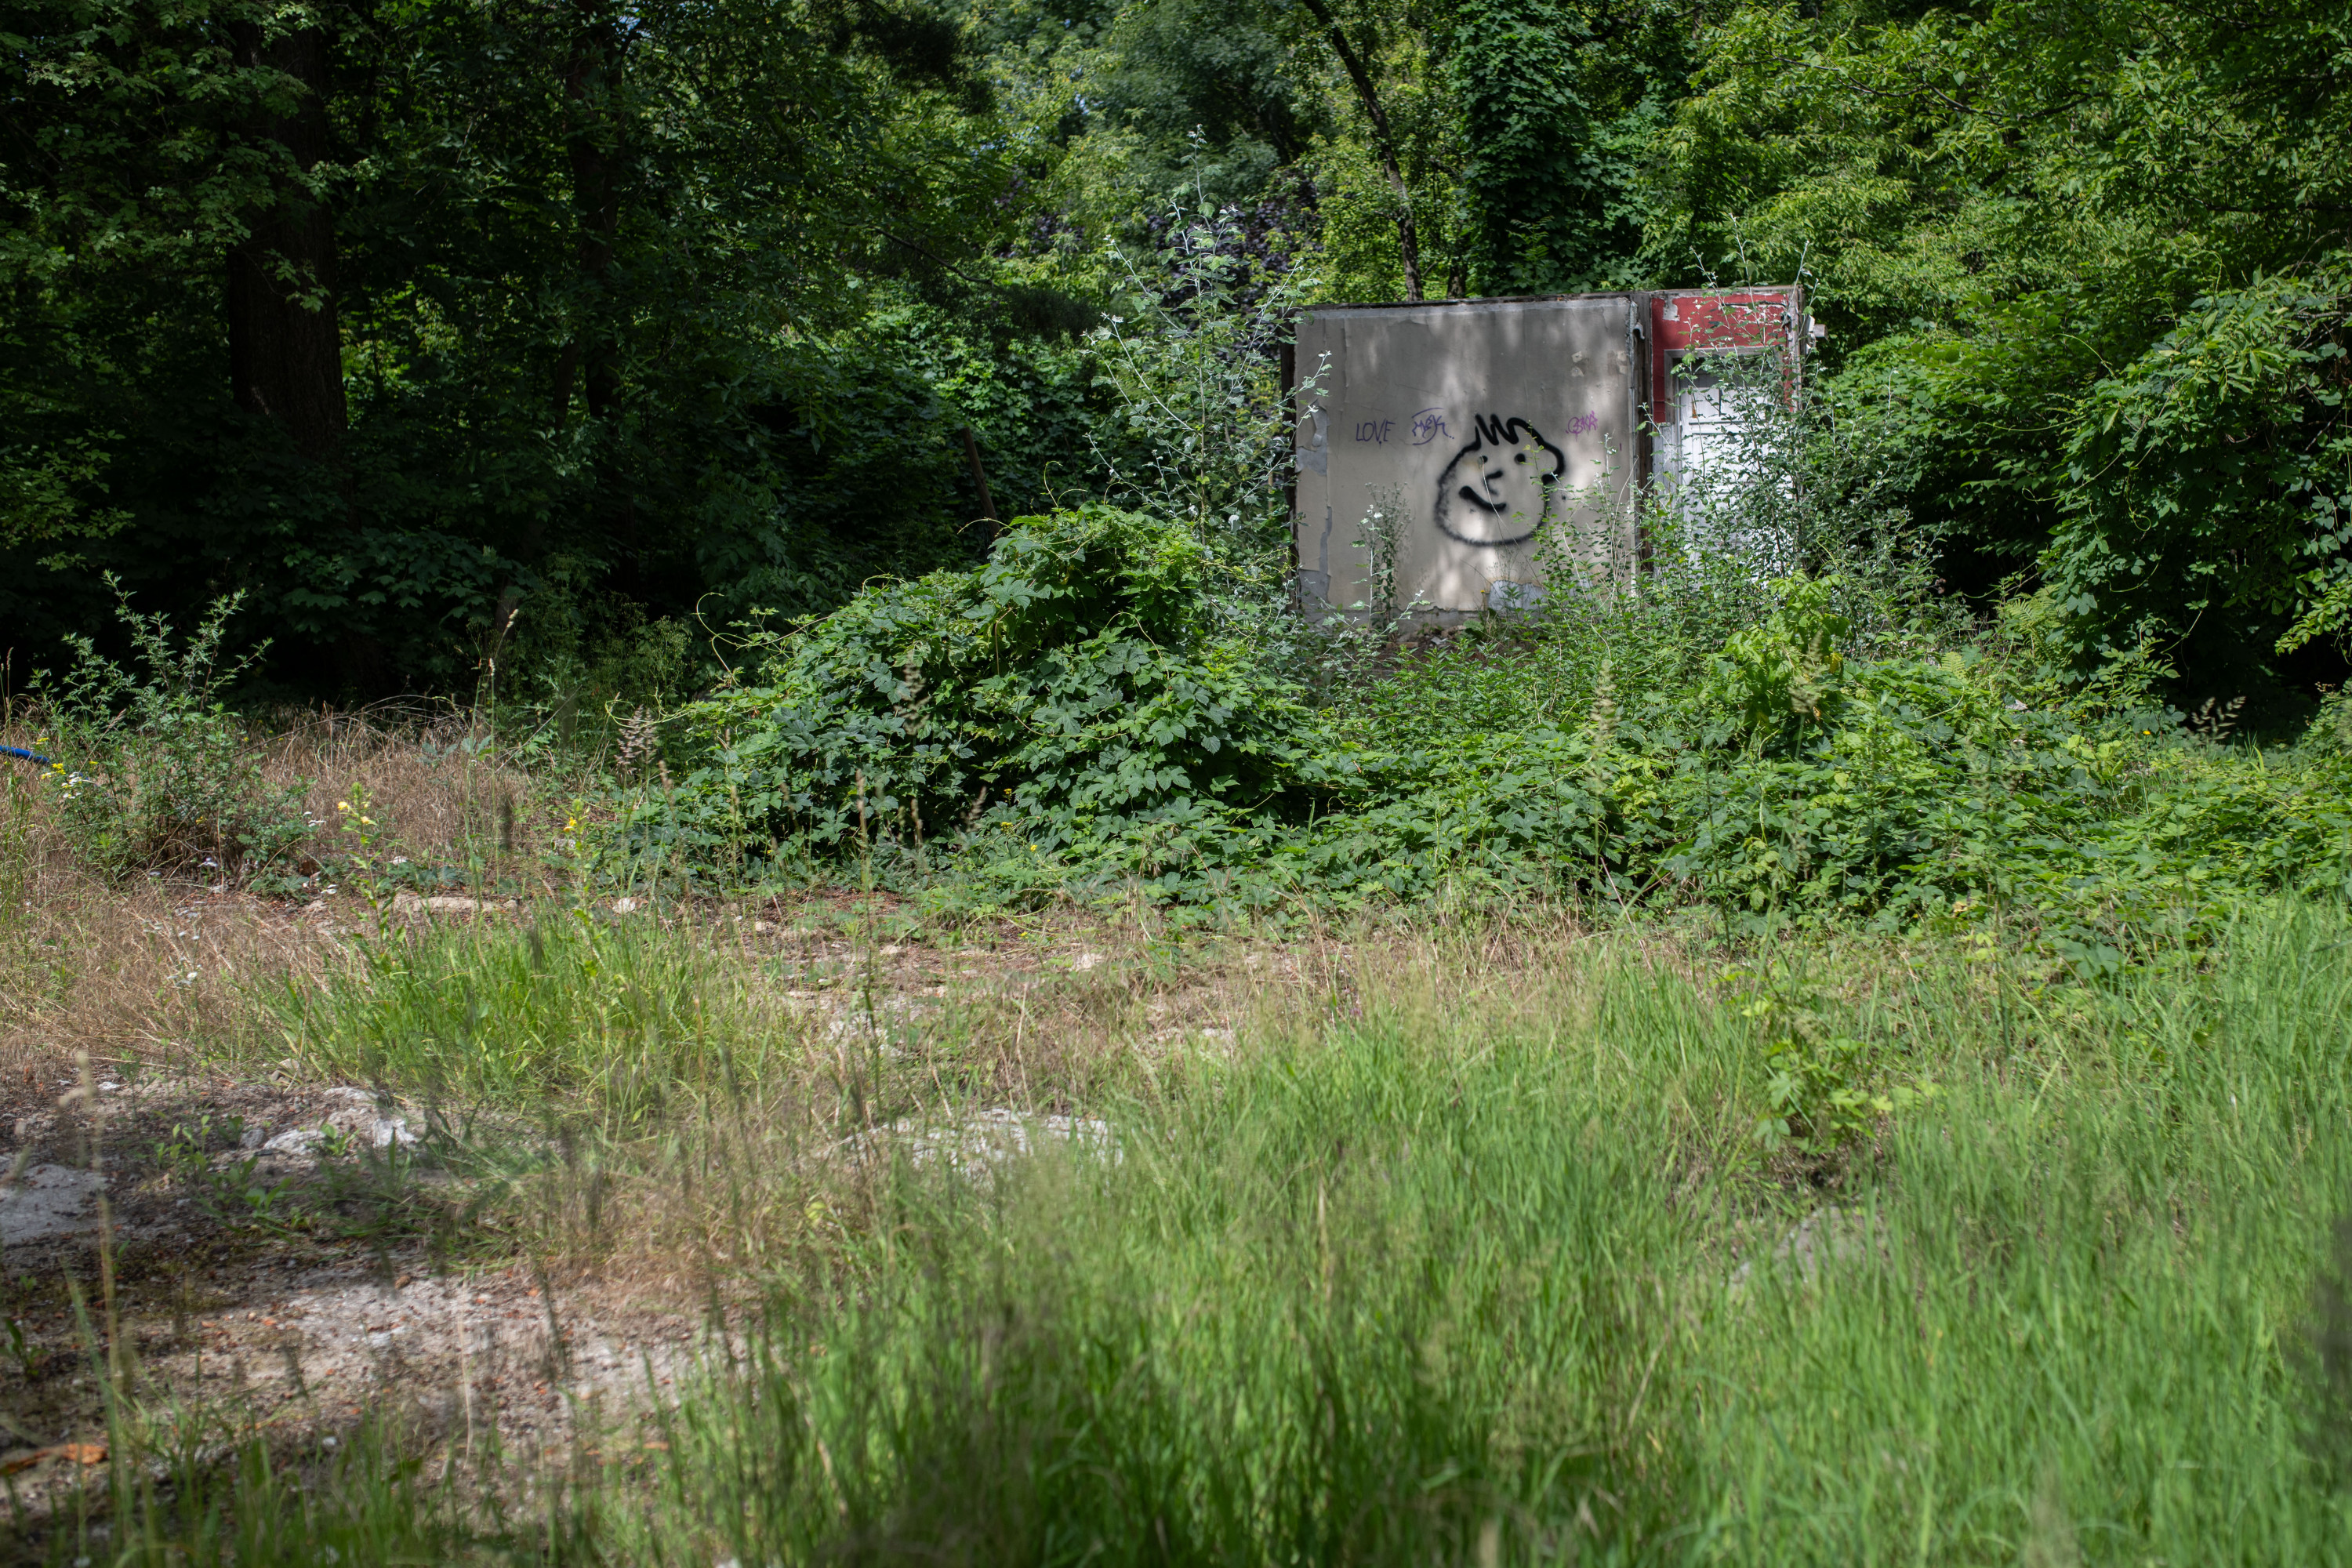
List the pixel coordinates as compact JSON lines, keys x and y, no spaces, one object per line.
{"x":1768,"y":709}
{"x":1058,"y":723}
{"x":1068,"y":692}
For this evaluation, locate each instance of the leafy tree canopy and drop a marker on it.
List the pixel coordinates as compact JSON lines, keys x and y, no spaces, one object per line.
{"x":482,"y":342}
{"x":2092,"y":258}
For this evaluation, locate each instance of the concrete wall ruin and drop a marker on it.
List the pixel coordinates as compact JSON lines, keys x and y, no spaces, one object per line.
{"x":1494,"y":441}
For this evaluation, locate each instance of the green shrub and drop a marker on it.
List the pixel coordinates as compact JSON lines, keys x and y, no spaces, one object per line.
{"x":1932,"y":788}
{"x":1064,"y":722}
{"x":1783,"y":670}
{"x":154,"y":771}
{"x":1072,"y":681}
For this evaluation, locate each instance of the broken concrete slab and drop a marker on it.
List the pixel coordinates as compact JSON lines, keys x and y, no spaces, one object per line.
{"x":1830,"y":1235}
{"x":48,"y":1201}
{"x":977,"y":1143}
{"x":449,"y":904}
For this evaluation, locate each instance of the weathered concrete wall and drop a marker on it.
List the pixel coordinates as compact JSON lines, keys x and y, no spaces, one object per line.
{"x":1494,"y":423}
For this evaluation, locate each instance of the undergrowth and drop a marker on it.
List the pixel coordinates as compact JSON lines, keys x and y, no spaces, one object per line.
{"x":1083,"y":720}
{"x":1060,"y":725}
{"x":577,"y":1010}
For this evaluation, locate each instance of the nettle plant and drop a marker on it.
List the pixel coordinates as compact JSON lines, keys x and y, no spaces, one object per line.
{"x":155,"y":772}
{"x":1824,"y":1089}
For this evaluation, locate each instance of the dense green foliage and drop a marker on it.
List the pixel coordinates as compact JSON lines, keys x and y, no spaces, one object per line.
{"x":592,"y":285}
{"x":512,"y":353}
{"x":1062,"y":721}
{"x":1072,"y":683}
{"x":843,"y":442}
{"x":2092,"y":260}
{"x":1558,"y":103}
{"x":484,"y":347}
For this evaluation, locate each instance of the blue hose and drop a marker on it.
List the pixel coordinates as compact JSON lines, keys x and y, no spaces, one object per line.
{"x":28,"y":756}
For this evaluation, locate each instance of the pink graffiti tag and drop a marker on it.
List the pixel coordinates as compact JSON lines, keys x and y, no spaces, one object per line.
{"x":1582,"y":422}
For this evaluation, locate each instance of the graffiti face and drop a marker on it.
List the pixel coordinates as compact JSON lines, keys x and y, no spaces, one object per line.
{"x":1497,"y":490}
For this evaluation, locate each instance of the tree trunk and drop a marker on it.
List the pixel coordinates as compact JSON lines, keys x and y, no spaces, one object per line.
{"x":285,"y":343}
{"x":588,"y":79}
{"x":1407,"y":242}
{"x":593,"y":145}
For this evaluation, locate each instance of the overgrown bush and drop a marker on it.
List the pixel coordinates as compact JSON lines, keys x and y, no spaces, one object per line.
{"x":152,"y":769}
{"x":1102,"y":712}
{"x":1063,"y":723}
{"x":1072,"y":686}
{"x":1781,"y":781}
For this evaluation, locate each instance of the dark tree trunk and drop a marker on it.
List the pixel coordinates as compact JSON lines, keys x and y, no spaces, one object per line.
{"x":1383,"y":143}
{"x":590,"y":128}
{"x":285,"y":344}
{"x":593,"y":145}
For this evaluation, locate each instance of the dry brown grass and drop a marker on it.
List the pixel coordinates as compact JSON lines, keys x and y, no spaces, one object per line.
{"x":148,"y":968}
{"x":435,"y":789}
{"x":1050,"y":1015}
{"x":157,"y":968}
{"x":860,"y":1033}
{"x":856,"y":1038}
{"x":891,"y":1045}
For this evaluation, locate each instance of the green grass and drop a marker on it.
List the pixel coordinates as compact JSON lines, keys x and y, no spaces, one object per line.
{"x":571,"y":1010}
{"x":1449,"y":1275}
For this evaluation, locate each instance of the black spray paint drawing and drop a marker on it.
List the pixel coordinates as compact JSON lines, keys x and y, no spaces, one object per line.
{"x":1497,"y":490}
